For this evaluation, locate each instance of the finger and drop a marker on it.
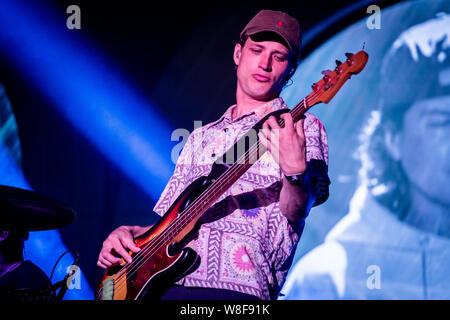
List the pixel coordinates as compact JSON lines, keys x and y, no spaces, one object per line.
{"x":122,"y":252}
{"x":102,"y":261}
{"x":273,"y":124}
{"x":288,"y":122}
{"x":266,"y":130}
{"x":103,"y":265}
{"x":274,"y":150}
{"x":299,"y":127}
{"x":274,"y":135}
{"x":129,"y":244}
{"x":126,"y":239}
{"x":109,"y":257}
{"x":264,"y":140}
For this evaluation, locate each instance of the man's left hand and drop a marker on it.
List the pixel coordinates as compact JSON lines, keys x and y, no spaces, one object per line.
{"x":287,"y":145}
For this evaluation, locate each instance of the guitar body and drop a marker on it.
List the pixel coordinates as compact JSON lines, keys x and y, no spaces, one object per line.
{"x":163,"y":267}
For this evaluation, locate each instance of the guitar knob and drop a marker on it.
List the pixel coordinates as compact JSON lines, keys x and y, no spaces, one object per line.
{"x":338,"y":63}
{"x":348,"y":55}
{"x":326,"y":72}
{"x":315,"y":87}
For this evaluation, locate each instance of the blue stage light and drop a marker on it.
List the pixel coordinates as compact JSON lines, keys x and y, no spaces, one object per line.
{"x":93,"y":96}
{"x":90,"y":93}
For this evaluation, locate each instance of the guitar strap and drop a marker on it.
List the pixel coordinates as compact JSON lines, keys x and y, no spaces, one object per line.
{"x":317,"y":170}
{"x":245,"y":142}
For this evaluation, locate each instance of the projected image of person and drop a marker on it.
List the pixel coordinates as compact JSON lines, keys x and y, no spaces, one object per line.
{"x":394,"y":242}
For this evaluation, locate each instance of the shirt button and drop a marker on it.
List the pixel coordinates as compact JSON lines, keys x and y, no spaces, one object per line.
{"x":225,"y":129}
{"x":213,"y":155}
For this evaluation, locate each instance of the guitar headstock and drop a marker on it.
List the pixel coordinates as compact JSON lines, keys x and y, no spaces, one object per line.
{"x":325,"y":89}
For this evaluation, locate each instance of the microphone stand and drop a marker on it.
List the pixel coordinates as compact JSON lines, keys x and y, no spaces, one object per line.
{"x":67,"y":279}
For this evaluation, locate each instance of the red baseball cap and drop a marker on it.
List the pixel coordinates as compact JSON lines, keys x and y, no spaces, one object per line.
{"x":278,"y":22}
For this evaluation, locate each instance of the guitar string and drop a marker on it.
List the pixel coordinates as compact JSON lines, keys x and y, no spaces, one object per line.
{"x":144,"y":254}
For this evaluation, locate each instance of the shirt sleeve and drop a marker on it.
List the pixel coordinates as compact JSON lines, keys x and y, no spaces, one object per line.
{"x":317,"y":157}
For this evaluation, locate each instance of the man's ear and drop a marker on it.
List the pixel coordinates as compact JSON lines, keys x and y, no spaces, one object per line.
{"x":3,"y":235}
{"x":237,"y":53}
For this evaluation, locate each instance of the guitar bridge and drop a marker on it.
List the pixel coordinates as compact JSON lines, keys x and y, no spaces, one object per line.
{"x":108,"y":289}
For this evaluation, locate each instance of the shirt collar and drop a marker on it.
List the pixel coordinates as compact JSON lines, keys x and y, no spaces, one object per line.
{"x":260,"y":111}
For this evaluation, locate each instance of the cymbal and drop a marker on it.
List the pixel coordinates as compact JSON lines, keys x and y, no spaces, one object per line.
{"x":30,"y":211}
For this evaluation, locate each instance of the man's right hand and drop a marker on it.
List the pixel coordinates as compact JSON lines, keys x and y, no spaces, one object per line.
{"x":117,"y":244}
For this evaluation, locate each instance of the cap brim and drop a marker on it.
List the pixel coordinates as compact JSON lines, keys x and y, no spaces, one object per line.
{"x":261,"y":30}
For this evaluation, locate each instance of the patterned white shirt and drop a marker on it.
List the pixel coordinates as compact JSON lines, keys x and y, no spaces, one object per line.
{"x":249,"y":245}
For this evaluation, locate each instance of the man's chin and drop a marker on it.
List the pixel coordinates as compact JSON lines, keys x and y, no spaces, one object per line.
{"x":265,"y":96}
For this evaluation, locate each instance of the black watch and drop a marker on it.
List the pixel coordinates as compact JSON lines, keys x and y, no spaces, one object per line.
{"x":297,"y":179}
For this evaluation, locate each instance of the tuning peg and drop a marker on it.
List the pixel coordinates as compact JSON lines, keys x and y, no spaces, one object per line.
{"x":348,"y":55}
{"x":338,"y":62}
{"x":326,"y":72}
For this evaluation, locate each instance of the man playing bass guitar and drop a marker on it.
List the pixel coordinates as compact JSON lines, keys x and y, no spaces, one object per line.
{"x":247,"y":239}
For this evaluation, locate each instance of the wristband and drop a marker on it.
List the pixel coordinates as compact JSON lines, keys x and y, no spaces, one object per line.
{"x":296,"y":179}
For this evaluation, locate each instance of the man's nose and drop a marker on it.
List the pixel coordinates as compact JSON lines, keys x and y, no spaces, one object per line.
{"x":265,"y":63}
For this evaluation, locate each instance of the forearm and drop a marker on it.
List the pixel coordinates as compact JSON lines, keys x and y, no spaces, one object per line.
{"x":296,"y":200}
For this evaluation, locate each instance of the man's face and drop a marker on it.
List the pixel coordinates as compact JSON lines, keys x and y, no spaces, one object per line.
{"x":425,"y":146}
{"x":262,"y":68}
